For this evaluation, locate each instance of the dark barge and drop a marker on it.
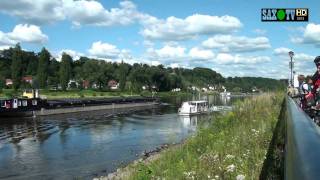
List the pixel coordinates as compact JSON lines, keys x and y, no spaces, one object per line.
{"x":18,"y":107}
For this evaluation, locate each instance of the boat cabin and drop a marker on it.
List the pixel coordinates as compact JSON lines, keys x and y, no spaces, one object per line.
{"x":193,"y":107}
{"x":19,"y":104}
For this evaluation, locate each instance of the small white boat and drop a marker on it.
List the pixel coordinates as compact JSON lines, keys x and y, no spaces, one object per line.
{"x":193,"y":107}
{"x":225,"y":94}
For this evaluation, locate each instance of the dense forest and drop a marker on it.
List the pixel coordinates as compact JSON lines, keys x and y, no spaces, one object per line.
{"x":48,"y":73}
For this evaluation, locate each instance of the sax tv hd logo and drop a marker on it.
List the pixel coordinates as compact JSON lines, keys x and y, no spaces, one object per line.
{"x":298,"y":14}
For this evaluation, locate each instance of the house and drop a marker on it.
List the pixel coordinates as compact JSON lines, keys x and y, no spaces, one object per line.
{"x":85,"y":84}
{"x":204,"y":89}
{"x":211,"y":88}
{"x":176,"y":90}
{"x":73,"y":84}
{"x":9,"y":82}
{"x":27,"y":79}
{"x":113,"y":84}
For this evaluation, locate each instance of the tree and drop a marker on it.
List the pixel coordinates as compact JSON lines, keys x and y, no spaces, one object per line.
{"x":2,"y":83}
{"x":32,"y":64}
{"x":65,"y":70}
{"x":43,"y":67}
{"x":122,"y":75}
{"x":16,"y":69}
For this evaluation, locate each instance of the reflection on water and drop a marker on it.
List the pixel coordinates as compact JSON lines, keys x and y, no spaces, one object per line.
{"x":89,"y":144}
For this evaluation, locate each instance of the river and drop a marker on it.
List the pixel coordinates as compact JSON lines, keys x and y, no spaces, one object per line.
{"x":91,"y":144}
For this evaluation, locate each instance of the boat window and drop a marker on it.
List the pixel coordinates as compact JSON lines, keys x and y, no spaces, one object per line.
{"x":2,"y":103}
{"x":34,"y":102}
{"x":19,"y":103}
{"x":24,"y":103}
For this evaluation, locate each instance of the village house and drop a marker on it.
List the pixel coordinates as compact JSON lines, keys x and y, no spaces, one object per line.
{"x":85,"y":84}
{"x":27,"y":79}
{"x":113,"y":84}
{"x":9,"y":82}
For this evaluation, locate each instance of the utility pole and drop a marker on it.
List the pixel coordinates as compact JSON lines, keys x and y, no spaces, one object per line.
{"x":291,"y":54}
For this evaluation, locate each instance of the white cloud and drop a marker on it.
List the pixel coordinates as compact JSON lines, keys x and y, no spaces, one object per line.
{"x":174,"y":65}
{"x":93,"y":13}
{"x":104,"y":50}
{"x":4,"y":47}
{"x":180,"y":29}
{"x":79,"y":12}
{"x":281,"y":51}
{"x":33,"y":11}
{"x":27,"y":33}
{"x":5,"y":40}
{"x":196,"y":53}
{"x":74,"y":54}
{"x":155,"y":63}
{"x":23,"y":33}
{"x":170,"y":52}
{"x":227,"y":43}
{"x":311,"y":35}
{"x":303,"y":62}
{"x":224,"y":58}
{"x":260,"y":31}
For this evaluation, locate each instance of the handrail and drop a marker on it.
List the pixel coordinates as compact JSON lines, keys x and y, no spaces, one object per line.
{"x":302,"y":158}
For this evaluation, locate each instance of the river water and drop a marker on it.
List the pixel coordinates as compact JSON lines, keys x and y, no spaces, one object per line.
{"x":91,"y":144}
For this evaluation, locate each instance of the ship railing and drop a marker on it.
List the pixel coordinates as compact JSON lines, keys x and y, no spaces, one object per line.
{"x":302,"y":149}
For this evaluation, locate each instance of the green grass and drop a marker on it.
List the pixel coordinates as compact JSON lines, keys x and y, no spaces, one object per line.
{"x":166,"y":94}
{"x":234,"y":144}
{"x":8,"y":93}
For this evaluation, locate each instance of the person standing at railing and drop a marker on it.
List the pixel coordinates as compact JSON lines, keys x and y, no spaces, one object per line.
{"x":303,"y":91}
{"x":316,"y":84}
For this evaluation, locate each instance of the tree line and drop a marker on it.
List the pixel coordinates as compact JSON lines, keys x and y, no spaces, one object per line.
{"x":47,"y":72}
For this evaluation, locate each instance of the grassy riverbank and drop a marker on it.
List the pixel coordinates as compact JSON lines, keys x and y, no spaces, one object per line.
{"x":8,"y":93}
{"x":234,"y":146}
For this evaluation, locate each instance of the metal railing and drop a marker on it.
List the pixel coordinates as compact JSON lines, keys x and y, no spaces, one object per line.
{"x":302,"y":156}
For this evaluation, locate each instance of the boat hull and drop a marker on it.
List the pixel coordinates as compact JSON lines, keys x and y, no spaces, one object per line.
{"x":16,"y":114}
{"x":192,"y":113}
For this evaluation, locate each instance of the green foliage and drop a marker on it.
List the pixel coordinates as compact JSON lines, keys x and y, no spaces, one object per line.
{"x":245,"y":84}
{"x":122,"y":73}
{"x":16,"y":63}
{"x":43,"y":67}
{"x":16,"y":66}
{"x":2,"y":83}
{"x":65,"y":70}
{"x":53,"y":77}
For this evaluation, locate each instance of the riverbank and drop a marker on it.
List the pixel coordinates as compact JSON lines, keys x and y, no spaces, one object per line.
{"x":238,"y":145}
{"x":70,"y":94}
{"x":80,"y":94}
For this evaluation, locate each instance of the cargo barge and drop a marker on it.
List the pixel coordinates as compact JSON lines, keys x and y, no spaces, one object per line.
{"x":21,"y":107}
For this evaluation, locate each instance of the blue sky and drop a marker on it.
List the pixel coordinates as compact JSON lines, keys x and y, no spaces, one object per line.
{"x":226,"y":36}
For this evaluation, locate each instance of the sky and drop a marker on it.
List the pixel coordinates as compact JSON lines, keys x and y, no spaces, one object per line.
{"x":224,"y":35}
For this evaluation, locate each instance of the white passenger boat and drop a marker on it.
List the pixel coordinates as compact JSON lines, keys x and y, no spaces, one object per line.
{"x":193,"y":107}
{"x":225,"y":93}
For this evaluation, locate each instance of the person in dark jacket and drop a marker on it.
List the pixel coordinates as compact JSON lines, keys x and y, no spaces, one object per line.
{"x":316,"y":83}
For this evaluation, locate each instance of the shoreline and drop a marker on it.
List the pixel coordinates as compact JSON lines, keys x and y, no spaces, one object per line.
{"x":146,"y":158}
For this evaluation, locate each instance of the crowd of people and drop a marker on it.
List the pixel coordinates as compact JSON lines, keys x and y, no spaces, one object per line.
{"x":308,"y":91}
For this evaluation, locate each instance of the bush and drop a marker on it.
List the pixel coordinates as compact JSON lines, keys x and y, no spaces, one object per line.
{"x":81,"y":95}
